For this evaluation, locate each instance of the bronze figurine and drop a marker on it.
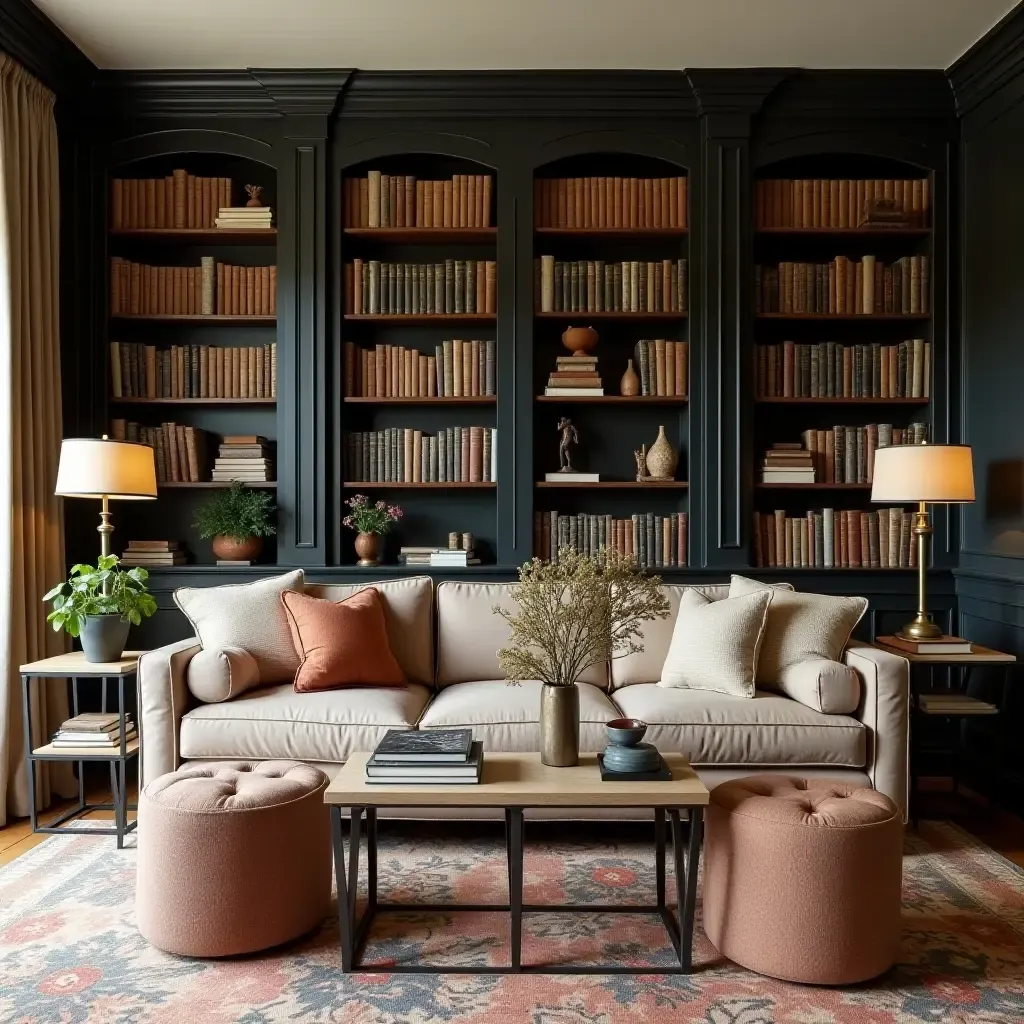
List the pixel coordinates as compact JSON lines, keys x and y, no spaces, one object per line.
{"x":569,"y":437}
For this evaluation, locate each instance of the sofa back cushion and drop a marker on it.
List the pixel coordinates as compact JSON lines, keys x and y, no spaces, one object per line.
{"x":408,"y":616}
{"x":469,"y":634}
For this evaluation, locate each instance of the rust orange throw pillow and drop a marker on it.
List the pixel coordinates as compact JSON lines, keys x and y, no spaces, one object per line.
{"x":340,"y":643}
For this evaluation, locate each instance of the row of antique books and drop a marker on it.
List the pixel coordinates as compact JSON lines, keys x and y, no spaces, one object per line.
{"x":455,"y":286}
{"x":192,"y":371}
{"x":404,"y":201}
{"x":404,"y":455}
{"x":212,"y":287}
{"x":456,"y":369}
{"x":865,"y":286}
{"x":828,"y":369}
{"x":179,"y":200}
{"x":179,"y":452}
{"x":664,"y":367}
{"x":610,"y":202}
{"x":655,"y":541}
{"x":153,"y":553}
{"x":596,"y":286}
{"x":836,"y":202}
{"x":835,"y":538}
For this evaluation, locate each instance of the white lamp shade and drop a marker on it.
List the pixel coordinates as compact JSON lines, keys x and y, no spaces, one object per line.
{"x":91,"y":468}
{"x":923,"y":472}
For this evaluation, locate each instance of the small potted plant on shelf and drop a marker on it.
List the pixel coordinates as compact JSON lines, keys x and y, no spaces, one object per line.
{"x":237,"y":520}
{"x":574,"y":613}
{"x":99,"y":604}
{"x":370,"y":520}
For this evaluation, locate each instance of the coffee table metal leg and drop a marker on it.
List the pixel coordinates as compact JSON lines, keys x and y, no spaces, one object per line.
{"x":688,"y":907}
{"x":515,"y":894}
{"x":371,"y":856}
{"x":355,"y":830}
{"x":659,"y":854}
{"x":344,"y":916}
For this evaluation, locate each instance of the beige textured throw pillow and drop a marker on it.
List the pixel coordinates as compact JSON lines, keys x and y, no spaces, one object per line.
{"x":800,"y":627}
{"x":715,"y":644}
{"x":247,"y":615}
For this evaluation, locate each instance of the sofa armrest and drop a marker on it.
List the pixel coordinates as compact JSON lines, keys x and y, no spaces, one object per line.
{"x":885,"y":710}
{"x":163,"y":698}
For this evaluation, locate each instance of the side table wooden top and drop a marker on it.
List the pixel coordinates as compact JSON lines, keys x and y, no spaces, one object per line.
{"x":979,"y":656}
{"x":74,"y":664}
{"x":521,"y":780}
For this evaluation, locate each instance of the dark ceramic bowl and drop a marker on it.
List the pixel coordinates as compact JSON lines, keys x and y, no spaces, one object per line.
{"x":626,"y":732}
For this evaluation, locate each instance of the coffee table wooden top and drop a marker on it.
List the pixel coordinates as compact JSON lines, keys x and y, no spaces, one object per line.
{"x":520,"y":780}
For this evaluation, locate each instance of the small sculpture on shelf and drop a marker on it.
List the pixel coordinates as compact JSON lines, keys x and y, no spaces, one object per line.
{"x":253,"y":192}
{"x":569,"y":436}
{"x":641,"y":464}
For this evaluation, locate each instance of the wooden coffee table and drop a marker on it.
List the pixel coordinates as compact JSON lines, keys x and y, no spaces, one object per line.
{"x":514,"y":782}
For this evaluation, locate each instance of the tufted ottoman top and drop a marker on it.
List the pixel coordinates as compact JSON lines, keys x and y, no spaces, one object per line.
{"x":788,"y":800}
{"x":235,"y":785}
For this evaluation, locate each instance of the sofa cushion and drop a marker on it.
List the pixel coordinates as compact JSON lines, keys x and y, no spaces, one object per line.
{"x":408,"y":615}
{"x":507,"y":717}
{"x":220,"y":673}
{"x":276,"y":722}
{"x":716,"y":728}
{"x":469,"y":634}
{"x":828,"y":686}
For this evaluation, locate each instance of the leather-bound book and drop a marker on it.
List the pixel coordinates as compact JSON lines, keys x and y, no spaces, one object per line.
{"x":208,"y":272}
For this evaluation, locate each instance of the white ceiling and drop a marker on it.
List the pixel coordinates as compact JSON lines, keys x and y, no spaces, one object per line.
{"x":540,"y":34}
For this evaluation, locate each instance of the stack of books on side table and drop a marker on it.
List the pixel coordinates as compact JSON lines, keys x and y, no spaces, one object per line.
{"x":954,"y":704}
{"x":99,"y":729}
{"x":788,"y":463}
{"x":437,"y":757}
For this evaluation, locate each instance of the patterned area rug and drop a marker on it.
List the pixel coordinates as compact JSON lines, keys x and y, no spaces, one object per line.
{"x":69,"y":951}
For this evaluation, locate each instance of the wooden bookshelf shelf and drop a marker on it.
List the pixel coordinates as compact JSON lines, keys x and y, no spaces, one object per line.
{"x":632,"y":485}
{"x":213,"y":319}
{"x":450,"y":400}
{"x":415,"y":319}
{"x":463,"y":485}
{"x":843,"y":401}
{"x":626,"y":234}
{"x":812,"y":487}
{"x":212,"y":484}
{"x":200,"y":236}
{"x":581,"y":315}
{"x":868,"y":232}
{"x":426,"y":236}
{"x":194,"y":401}
{"x":616,"y":399}
{"x":864,"y":317}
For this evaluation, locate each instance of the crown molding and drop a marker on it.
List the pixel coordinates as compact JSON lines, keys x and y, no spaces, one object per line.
{"x":877,"y":95}
{"x":40,"y":47}
{"x":993,"y":61}
{"x":308,"y":93}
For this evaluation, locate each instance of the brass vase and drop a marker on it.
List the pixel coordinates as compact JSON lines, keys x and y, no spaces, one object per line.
{"x":662,"y":458}
{"x":368,"y":549}
{"x":560,"y":725}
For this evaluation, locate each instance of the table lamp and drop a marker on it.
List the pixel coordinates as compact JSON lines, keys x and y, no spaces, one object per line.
{"x":105,"y":469}
{"x":923,"y":473}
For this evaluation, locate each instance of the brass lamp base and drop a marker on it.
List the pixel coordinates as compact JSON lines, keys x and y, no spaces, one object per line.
{"x":920,"y":629}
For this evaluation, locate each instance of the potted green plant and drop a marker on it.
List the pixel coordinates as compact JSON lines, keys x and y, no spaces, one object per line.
{"x":99,"y":604}
{"x":370,"y":520}
{"x":237,"y":520}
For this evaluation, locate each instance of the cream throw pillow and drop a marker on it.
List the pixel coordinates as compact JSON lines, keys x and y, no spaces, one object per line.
{"x":247,"y":615}
{"x":220,"y":673}
{"x":715,"y":644}
{"x":826,"y":686}
{"x":800,"y":627}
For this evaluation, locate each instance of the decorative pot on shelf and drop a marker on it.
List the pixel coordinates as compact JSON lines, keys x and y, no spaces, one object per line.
{"x":662,"y":458}
{"x":231,"y":549}
{"x":103,"y":637}
{"x":579,"y":340}
{"x":560,"y":725}
{"x":368,"y":548}
{"x":629,"y":386}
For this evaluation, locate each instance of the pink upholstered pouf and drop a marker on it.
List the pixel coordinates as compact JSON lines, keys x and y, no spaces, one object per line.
{"x":233,"y":857}
{"x":802,"y":878}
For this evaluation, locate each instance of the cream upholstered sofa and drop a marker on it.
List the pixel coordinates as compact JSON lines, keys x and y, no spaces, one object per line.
{"x":446,"y":638}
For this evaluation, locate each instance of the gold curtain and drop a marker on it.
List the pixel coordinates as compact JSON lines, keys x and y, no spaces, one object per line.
{"x":31,"y":533}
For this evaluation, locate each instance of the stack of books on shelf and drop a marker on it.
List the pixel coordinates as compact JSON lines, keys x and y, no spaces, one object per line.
{"x":245,"y":217}
{"x":192,"y":371}
{"x":457,"y":369}
{"x":787,"y":463}
{"x":835,"y":539}
{"x":956,"y":704}
{"x":865,"y":286}
{"x":391,"y":289}
{"x":149,"y":553}
{"x":244,"y":457}
{"x":455,"y":558}
{"x":180,"y":452}
{"x":403,"y":201}
{"x":835,"y":202}
{"x":664,"y":367}
{"x":404,"y":455}
{"x":179,"y":200}
{"x":610,"y":202}
{"x":654,"y":541}
{"x":575,"y":375}
{"x":96,"y":730}
{"x":846,"y":455}
{"x":430,"y":757}
{"x":827,"y":369}
{"x":595,"y":286}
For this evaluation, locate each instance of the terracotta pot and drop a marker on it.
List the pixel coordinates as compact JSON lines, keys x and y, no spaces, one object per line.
{"x":629,"y":386}
{"x":233,"y":550}
{"x":368,"y":548}
{"x":579,"y":340}
{"x":662,"y":458}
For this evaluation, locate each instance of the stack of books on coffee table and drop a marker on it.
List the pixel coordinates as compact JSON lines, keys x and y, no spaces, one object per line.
{"x":99,"y":729}
{"x":437,"y":757}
